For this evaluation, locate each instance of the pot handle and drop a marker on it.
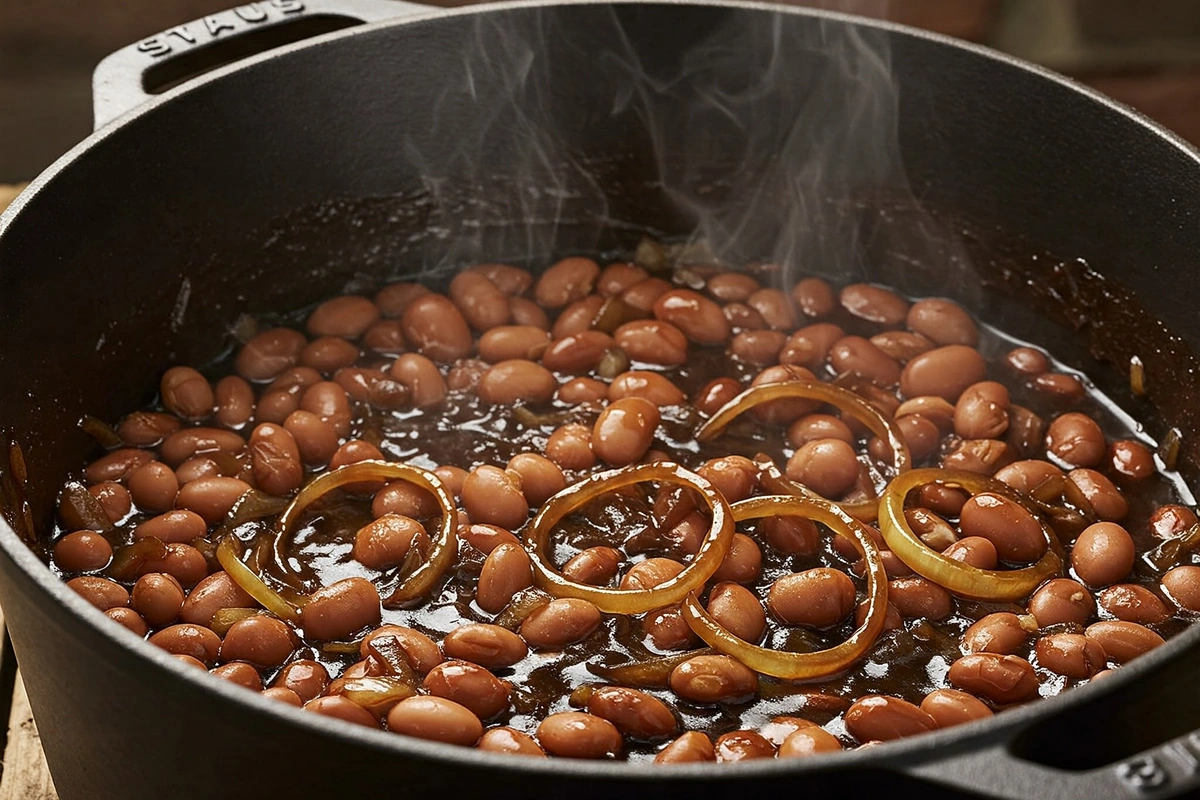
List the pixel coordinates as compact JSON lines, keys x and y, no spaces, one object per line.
{"x":133,"y":75}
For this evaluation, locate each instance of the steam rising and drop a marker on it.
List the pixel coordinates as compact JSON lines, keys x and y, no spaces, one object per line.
{"x":761,"y":132}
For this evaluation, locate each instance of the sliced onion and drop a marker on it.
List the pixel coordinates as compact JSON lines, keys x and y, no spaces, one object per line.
{"x":963,"y":579}
{"x":445,"y":544}
{"x":630,"y":601}
{"x":251,"y":584}
{"x":822,"y":663}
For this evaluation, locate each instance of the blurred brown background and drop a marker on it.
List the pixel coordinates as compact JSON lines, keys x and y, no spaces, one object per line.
{"x":1143,"y":52}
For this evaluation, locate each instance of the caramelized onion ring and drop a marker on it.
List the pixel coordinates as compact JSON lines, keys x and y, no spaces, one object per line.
{"x":963,"y":579}
{"x":422,"y":579}
{"x":802,"y":666}
{"x":630,"y":601}
{"x":251,"y":584}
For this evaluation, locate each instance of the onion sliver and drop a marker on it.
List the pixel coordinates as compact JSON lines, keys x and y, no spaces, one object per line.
{"x":423,"y":578}
{"x":963,"y":579}
{"x":843,"y":399}
{"x":802,"y":666}
{"x":630,"y":601}
{"x":251,"y":584}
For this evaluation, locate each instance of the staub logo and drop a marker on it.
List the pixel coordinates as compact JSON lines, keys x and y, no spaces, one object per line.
{"x":214,"y":25}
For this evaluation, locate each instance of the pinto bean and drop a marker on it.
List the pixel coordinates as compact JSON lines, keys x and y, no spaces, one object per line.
{"x":385,"y":337}
{"x":712,"y":679}
{"x":882,"y":718}
{"x":624,"y":430}
{"x":130,"y":620}
{"x":1013,"y":530}
{"x":469,"y":685}
{"x":158,"y":598}
{"x":173,"y":526}
{"x":874,"y":304}
{"x":329,"y":402}
{"x":346,"y":316}
{"x":527,"y":312}
{"x":1103,"y":554}
{"x":148,"y":428}
{"x":691,"y":747}
{"x":642,"y":295}
{"x":635,"y":714}
{"x":975,"y":551}
{"x":211,"y":498}
{"x":570,"y":447}
{"x":541,"y":478}
{"x":857,"y":356}
{"x":1026,"y":361}
{"x":807,"y":742}
{"x":583,"y":390}
{"x":437,"y":329}
{"x":758,"y":347}
{"x":814,"y":297}
{"x":817,"y":598}
{"x":737,"y":610}
{"x":668,"y":630}
{"x":436,"y":719}
{"x":340,"y":609}
{"x":715,"y":394}
{"x":818,"y":426}
{"x":1106,"y":500}
{"x":1076,"y":440}
{"x":506,"y":342}
{"x":574,"y":734}
{"x":595,"y":566}
{"x":736,"y":477}
{"x":507,"y":278}
{"x":269,"y":353}
{"x":809,"y":347}
{"x":422,"y":378}
{"x":486,"y":645}
{"x":1001,"y":632}
{"x":1002,"y":679}
{"x":315,"y":440}
{"x":732,"y":287}
{"x":1025,"y":476}
{"x":260,"y":640}
{"x":340,"y":707}
{"x":742,"y":746}
{"x":579,"y":352}
{"x":1182,"y":584}
{"x":186,"y":393}
{"x":1123,"y":641}
{"x":119,"y":464}
{"x":100,"y":592}
{"x":934,"y":409}
{"x":648,"y":386}
{"x":559,"y":623}
{"x":183,"y":562}
{"x":950,"y":707}
{"x":306,"y":678}
{"x":210,"y":595}
{"x":982,"y":411}
{"x":493,"y":496}
{"x":983,"y":456}
{"x":1131,"y":460}
{"x":275,"y":459}
{"x":386,"y":541}
{"x":510,"y":741}
{"x":481,"y":302}
{"x":516,"y":380}
{"x":153,"y":487}
{"x":775,"y":308}
{"x":902,"y":346}
{"x":329,"y":354}
{"x":700,"y":319}
{"x":944,"y":372}
{"x":1071,"y":654}
{"x":944,"y":322}
{"x":566,"y":281}
{"x":505,"y":572}
{"x":189,"y":640}
{"x":915,"y":597}
{"x":653,"y":342}
{"x":1060,"y":386}
{"x":82,"y":551}
{"x":1060,"y":601}
{"x":1171,"y":520}
{"x":827,"y":466}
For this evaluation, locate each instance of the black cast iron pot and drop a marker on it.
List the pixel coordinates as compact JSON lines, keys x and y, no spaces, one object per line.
{"x":428,"y":139}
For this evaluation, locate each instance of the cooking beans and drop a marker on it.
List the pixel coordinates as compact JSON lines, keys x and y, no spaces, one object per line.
{"x":486,"y":645}
{"x":760,"y":348}
{"x":1025,"y":476}
{"x":269,"y":353}
{"x":976,"y":551}
{"x":283,"y":696}
{"x":814,"y":297}
{"x":158,"y":598}
{"x":306,"y":678}
{"x":635,"y":714}
{"x":810,"y":346}
{"x":944,"y":322}
{"x":1133,"y":603}
{"x":527,"y":312}
{"x":982,"y":411}
{"x":742,"y":746}
{"x":934,"y":409}
{"x":173,"y":526}
{"x":493,"y":496}
{"x":260,"y":640}
{"x":437,"y":329}
{"x":234,"y":399}
{"x":118,"y":465}
{"x":595,"y":566}
{"x":559,"y":623}
{"x":642,"y":295}
{"x":691,"y":747}
{"x":315,"y":440}
{"x":1061,"y":387}
{"x":148,"y":428}
{"x":340,"y":707}
{"x":647,"y":385}
{"x":1027,"y":361}
{"x":624,"y":430}
{"x":983,"y":456}
{"x":469,"y":685}
{"x":329,"y":354}
{"x":82,"y":551}
{"x":775,"y":308}
{"x":882,"y":718}
{"x":1062,"y":600}
{"x":579,"y":352}
{"x":186,"y":393}
{"x":817,"y":598}
{"x":668,"y":630}
{"x":507,"y":342}
{"x":1071,"y":654}
{"x":422,"y":652}
{"x":944,"y":372}
{"x":736,"y":477}
{"x":541,"y":478}
{"x":239,"y":673}
{"x":574,"y":734}
{"x":211,"y":498}
{"x":486,"y":538}
{"x":130,"y":620}
{"x":858,"y":356}
{"x":386,"y":541}
{"x":346,"y":316}
{"x":827,"y":466}
{"x":341,"y":609}
{"x":791,"y":535}
{"x":738,"y":610}
{"x":100,"y":592}
{"x":650,"y":573}
{"x":874,"y":304}
{"x":619,"y":276}
{"x":577,"y":317}
{"x":1013,"y":530}
{"x":510,"y":741}
{"x":1123,"y":641}
{"x":921,"y":436}
{"x":935,"y":532}
{"x":1102,"y":554}
{"x":189,"y":640}
{"x":950,"y":707}
{"x":275,"y":406}
{"x":482,"y":304}
{"x":435,"y":718}
{"x":210,"y":595}
{"x":569,"y":280}
{"x":1131,"y":460}
{"x":1076,"y":440}
{"x":915,"y":596}
{"x":732,"y":287}
{"x":903,"y":346}
{"x":712,"y":679}
{"x":275,"y":459}
{"x":507,"y":278}
{"x":1106,"y":500}
{"x":1002,"y":679}
{"x":328,"y":401}
{"x":818,"y":426}
{"x":570,"y":447}
{"x":405,"y":499}
{"x":1182,"y":584}
{"x":807,"y":742}
{"x":1171,"y":520}
{"x":715,"y":394}
{"x":516,"y":380}
{"x":1002,"y":633}
{"x":700,"y":319}
{"x":653,"y":342}
{"x":583,"y":390}
{"x":505,"y":572}
{"x":183,"y":562}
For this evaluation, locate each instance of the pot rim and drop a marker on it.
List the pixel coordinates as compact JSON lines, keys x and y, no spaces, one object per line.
{"x":900,"y":755}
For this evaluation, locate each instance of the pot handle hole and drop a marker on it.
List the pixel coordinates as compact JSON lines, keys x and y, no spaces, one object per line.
{"x":1136,"y":737}
{"x":133,"y":75}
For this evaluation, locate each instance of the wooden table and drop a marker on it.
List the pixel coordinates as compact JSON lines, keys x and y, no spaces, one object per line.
{"x":24,"y":775}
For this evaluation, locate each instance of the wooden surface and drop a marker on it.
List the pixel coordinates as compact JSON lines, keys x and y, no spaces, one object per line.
{"x":23,"y":775}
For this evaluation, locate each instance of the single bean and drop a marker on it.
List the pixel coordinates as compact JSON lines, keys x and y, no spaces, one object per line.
{"x":574,"y":734}
{"x":580,"y":352}
{"x":274,"y":406}
{"x":559,"y":623}
{"x":1002,"y":632}
{"x":486,"y":538}
{"x":275,"y":458}
{"x":513,"y":341}
{"x":577,"y":317}
{"x":186,"y":393}
{"x":1076,"y":440}
{"x":469,"y":685}
{"x":742,"y":746}
{"x":1103,"y":554}
{"x":299,"y":378}
{"x":691,"y":747}
{"x":787,"y":410}
{"x":241,"y":674}
{"x":647,"y":385}
{"x":945,"y":500}
{"x":340,"y":707}
{"x":624,"y":430}
{"x":189,"y":640}
{"x":738,"y":611}
{"x":1171,"y":520}
{"x":635,"y":714}
{"x":100,"y":592}
{"x":950,"y":707}
{"x":1106,"y":500}
{"x":715,"y":394}
{"x":329,"y":354}
{"x":814,"y":297}
{"x":1182,"y":584}
{"x":921,"y":436}
{"x":328,"y":401}
{"x":668,"y":630}
{"x":935,"y":532}
{"x":114,"y":501}
{"x":174,"y":526}
{"x":934,"y":409}
{"x":283,"y":695}
{"x":1025,"y":476}
{"x":373,"y":386}
{"x":269,"y":353}
{"x":437,"y":329}
{"x":213,"y":593}
{"x":1131,"y":460}
{"x":385,"y":337}
{"x":653,"y":342}
{"x":422,"y":652}
{"x":346,"y":316}
{"x":119,"y":464}
{"x":700,"y":319}
{"x":816,"y":598}
{"x":650,"y":573}
{"x":507,"y":278}
{"x":1007,"y":525}
{"x":809,"y":347}
{"x":479,"y":299}
{"x":158,"y":598}
{"x":736,"y":477}
{"x":1071,"y":654}
{"x":944,"y":322}
{"x":386,"y":541}
{"x":595,"y":566}
{"x":916,"y":597}
{"x":516,"y":380}
{"x":341,"y":609}
{"x":1002,"y":679}
{"x":570,"y":447}
{"x":775,"y":308}
{"x":566,"y":281}
{"x":792,"y":535}
{"x":510,"y":741}
{"x":315,"y":439}
{"x":712,"y":679}
{"x":874,"y":304}
{"x":1123,"y":641}
{"x":1061,"y":601}
{"x":982,"y":411}
{"x":527,"y":312}
{"x":827,"y":466}
{"x":642,"y":295}
{"x":944,"y":372}
{"x":436,"y":719}
{"x":982,"y":456}
{"x":807,"y":742}
{"x":486,"y":645}
{"x":130,"y":620}
{"x":619,"y":276}
{"x":305,"y":677}
{"x":1027,"y":362}
{"x":82,"y":551}
{"x":182,"y":561}
{"x":975,"y":551}
{"x":818,"y":426}
{"x":1133,"y":603}
{"x":506,"y":571}
{"x":148,"y":428}
{"x":743,"y":562}
{"x":541,"y":478}
{"x":493,"y":496}
{"x":857,"y":356}
{"x":882,"y":718}
{"x":260,"y":640}
{"x":732,"y":287}
{"x":211,"y":498}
